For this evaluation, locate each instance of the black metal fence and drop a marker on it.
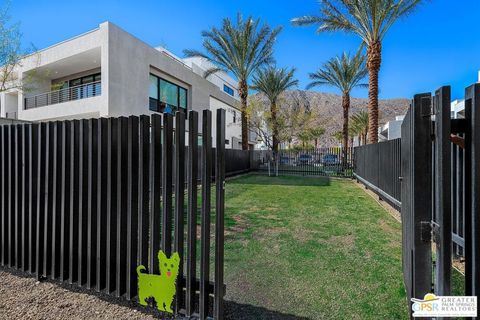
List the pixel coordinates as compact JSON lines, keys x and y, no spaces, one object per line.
{"x":87,"y":201}
{"x":378,"y":167}
{"x":317,"y":162}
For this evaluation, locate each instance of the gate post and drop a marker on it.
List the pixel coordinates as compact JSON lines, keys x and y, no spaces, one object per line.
{"x":416,"y":197}
{"x":472,"y":190}
{"x":442,"y":215}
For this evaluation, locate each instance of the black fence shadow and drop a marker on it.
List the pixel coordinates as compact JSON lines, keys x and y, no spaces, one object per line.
{"x":238,"y":311}
{"x":283,"y":180}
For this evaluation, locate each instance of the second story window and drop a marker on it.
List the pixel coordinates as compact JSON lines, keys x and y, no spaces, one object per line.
{"x":228,"y":90}
{"x":166,"y":96}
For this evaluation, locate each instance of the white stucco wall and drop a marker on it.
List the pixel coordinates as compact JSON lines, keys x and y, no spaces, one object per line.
{"x":233,"y":131}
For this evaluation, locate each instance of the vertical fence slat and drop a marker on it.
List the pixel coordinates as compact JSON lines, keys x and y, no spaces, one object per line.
{"x":179,"y":202}
{"x":132,"y":207}
{"x":65,"y":198}
{"x":74,"y":201}
{"x":11,"y":196}
{"x":442,"y":190}
{"x":143,"y":189}
{"x":33,"y":193}
{"x":4,"y":187}
{"x":92,"y":176}
{"x":112,"y":140}
{"x":167,"y":168}
{"x":155,"y":213}
{"x":205,"y":233}
{"x":42,"y":129}
{"x":122,"y":158}
{"x":219,"y":212}
{"x":83,"y":203}
{"x":48,"y":212}
{"x":192,"y":212}
{"x":56,"y":200}
{"x":102,"y":211}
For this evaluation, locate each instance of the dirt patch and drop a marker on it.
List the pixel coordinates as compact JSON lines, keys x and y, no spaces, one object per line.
{"x":346,"y":241}
{"x":386,"y":227}
{"x":239,"y":227}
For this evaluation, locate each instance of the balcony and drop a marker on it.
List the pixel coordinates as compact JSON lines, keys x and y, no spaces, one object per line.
{"x":82,"y":91}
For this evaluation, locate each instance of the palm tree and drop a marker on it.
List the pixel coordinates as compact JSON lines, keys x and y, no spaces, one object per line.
{"x":345,"y":73}
{"x":241,"y":49}
{"x":359,"y":126}
{"x":370,"y":20}
{"x":316,"y":134}
{"x":273,"y":82}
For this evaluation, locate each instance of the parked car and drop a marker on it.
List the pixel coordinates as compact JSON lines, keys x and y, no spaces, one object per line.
{"x":286,"y":160}
{"x":330,"y":159}
{"x":305,"y":159}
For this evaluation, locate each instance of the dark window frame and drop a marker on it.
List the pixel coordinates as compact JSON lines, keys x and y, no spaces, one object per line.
{"x":158,"y":105}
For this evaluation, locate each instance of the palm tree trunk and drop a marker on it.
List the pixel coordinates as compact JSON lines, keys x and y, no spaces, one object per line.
{"x":273,"y":111}
{"x":374,"y":59}
{"x":243,"y":93}
{"x":346,"y":107}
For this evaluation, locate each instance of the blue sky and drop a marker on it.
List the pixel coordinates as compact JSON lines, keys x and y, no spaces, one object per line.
{"x":439,"y":44}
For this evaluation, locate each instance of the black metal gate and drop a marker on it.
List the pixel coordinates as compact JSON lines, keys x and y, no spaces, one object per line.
{"x":440,"y":192}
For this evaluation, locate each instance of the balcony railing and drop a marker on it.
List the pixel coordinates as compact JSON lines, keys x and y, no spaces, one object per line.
{"x":82,"y":91}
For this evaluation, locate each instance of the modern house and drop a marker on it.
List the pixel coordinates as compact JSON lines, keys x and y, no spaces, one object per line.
{"x":391,"y":130}
{"x":108,"y":72}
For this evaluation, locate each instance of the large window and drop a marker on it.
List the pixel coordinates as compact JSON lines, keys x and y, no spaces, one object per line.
{"x":166,"y":96}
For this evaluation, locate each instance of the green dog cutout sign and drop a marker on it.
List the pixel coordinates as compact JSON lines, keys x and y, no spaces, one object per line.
{"x":159,"y":287}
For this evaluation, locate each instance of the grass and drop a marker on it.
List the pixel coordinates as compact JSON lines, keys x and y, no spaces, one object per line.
{"x":311,"y":248}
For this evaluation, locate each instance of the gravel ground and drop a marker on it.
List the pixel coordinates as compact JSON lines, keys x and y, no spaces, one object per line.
{"x":25,"y":298}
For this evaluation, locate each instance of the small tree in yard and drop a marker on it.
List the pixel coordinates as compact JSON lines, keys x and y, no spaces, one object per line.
{"x":370,"y":20}
{"x":359,"y":126}
{"x":241,"y":49}
{"x":345,"y":73}
{"x":316,"y":133}
{"x":273,"y":82}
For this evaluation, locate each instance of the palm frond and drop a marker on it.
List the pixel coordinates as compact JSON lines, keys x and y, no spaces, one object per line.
{"x":273,"y":82}
{"x":369,"y":19}
{"x":240,"y":47}
{"x":344,"y":72}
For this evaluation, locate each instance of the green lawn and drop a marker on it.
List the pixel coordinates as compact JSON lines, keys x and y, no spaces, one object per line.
{"x":310,"y":248}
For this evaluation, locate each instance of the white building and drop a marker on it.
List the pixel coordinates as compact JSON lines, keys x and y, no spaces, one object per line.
{"x":457,"y":107}
{"x":107,"y":72}
{"x":391,"y":130}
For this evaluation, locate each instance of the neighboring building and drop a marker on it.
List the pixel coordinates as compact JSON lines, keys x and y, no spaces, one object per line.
{"x":107,"y":72}
{"x":457,"y":107}
{"x":391,"y":130}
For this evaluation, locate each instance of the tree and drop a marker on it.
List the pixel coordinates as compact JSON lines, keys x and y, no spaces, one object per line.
{"x":258,"y":116}
{"x":11,"y":55}
{"x":273,"y":82}
{"x":370,"y":20}
{"x":316,"y":133}
{"x":241,"y":49}
{"x":345,"y":73}
{"x":359,"y":126}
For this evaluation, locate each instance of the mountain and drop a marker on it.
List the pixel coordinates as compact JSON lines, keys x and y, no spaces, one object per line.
{"x":329,"y":108}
